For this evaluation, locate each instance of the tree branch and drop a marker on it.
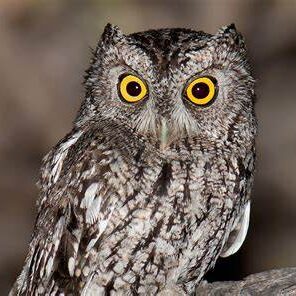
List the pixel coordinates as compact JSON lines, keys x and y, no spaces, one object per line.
{"x":267,"y":283}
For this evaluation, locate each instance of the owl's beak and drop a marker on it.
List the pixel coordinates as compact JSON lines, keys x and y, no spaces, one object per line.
{"x":164,"y":134}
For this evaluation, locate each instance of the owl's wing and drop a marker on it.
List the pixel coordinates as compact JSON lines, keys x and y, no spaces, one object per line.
{"x":238,"y":232}
{"x":75,"y":206}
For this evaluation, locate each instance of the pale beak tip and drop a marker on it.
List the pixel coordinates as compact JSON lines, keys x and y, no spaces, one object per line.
{"x":163,"y":134}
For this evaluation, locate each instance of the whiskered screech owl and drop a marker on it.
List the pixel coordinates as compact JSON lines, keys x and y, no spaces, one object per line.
{"x":153,"y":183}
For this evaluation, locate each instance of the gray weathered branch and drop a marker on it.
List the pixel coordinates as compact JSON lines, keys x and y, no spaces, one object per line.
{"x":267,"y":283}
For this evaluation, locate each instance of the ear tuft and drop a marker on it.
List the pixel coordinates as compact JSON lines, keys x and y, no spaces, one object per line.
{"x":230,"y":35}
{"x":229,"y":29}
{"x":111,"y":34}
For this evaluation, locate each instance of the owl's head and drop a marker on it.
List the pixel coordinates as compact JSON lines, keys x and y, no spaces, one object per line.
{"x":171,"y":84}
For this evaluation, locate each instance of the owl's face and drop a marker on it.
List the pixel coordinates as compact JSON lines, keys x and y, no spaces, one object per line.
{"x":171,"y":84}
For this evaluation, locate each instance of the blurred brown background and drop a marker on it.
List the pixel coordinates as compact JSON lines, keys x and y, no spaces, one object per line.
{"x":44,"y":49}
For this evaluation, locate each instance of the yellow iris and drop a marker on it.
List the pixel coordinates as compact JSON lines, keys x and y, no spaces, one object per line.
{"x":132,"y":89}
{"x":201,"y":91}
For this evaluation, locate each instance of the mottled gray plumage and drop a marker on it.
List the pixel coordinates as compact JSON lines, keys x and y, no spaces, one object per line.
{"x":125,"y":210}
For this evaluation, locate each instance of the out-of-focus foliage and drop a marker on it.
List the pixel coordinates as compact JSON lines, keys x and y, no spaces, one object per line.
{"x":44,"y":49}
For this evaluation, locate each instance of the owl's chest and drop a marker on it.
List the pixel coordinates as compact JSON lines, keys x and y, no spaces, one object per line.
{"x":158,"y":201}
{"x":154,"y":228}
{"x":162,"y":187}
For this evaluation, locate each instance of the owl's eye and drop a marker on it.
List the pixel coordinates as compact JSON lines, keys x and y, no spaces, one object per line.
{"x":202,"y":91}
{"x":132,"y":89}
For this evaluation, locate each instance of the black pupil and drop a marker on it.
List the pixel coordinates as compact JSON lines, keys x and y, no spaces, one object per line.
{"x":200,"y":90}
{"x":133,"y":88}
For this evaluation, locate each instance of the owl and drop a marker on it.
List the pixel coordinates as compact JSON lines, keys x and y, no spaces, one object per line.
{"x":153,"y":183}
